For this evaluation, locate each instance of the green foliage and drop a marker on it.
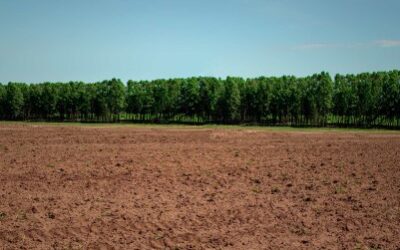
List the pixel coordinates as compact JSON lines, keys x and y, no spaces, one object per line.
{"x":2,"y":101}
{"x":13,"y":101}
{"x":189,"y":97}
{"x":363,"y":100}
{"x":228,"y":104}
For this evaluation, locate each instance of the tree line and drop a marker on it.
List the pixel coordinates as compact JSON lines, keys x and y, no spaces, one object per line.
{"x":361,"y":100}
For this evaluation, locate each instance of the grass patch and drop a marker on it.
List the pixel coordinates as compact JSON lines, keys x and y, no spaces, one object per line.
{"x":206,"y":126}
{"x":50,"y":166}
{"x":21,"y":215}
{"x":256,"y":190}
{"x":340,"y":189}
{"x":2,"y":216}
{"x":159,"y":236}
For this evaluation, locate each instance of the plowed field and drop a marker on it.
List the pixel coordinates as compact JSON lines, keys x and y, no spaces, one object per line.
{"x":78,"y":187}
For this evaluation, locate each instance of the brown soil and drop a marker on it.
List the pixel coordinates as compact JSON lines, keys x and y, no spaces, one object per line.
{"x":157,"y":188}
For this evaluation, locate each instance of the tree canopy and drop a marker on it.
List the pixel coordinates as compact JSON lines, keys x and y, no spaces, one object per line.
{"x":361,"y":100}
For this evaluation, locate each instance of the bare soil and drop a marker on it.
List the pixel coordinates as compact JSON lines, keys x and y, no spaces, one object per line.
{"x":76,"y":187}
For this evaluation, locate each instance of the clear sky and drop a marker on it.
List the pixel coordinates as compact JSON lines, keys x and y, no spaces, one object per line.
{"x":92,"y":40}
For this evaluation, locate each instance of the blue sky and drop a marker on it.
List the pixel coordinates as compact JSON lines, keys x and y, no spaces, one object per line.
{"x":48,"y":40}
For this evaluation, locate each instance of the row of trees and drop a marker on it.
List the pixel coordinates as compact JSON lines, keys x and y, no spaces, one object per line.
{"x":62,"y":101}
{"x":367,"y":99}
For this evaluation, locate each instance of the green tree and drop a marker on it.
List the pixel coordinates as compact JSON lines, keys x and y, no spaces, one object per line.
{"x":115,"y":96}
{"x":14,"y":101}
{"x":323,"y":89}
{"x":189,"y":97}
{"x":2,"y":101}
{"x":228,"y":105}
{"x":209,"y":88}
{"x":134,"y":97}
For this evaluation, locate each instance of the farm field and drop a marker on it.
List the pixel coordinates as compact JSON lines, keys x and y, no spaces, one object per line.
{"x":149,"y":187}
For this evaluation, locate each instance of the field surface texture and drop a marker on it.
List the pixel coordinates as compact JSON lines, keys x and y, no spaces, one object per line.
{"x":84,"y":187}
